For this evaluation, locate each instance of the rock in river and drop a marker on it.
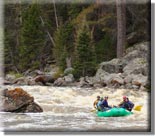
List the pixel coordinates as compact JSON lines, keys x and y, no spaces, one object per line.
{"x":18,"y":100}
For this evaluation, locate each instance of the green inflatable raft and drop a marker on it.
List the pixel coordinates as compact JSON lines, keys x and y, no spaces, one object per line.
{"x":114,"y":112}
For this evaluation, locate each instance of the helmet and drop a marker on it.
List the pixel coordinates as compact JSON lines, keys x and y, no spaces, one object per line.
{"x":124,"y":97}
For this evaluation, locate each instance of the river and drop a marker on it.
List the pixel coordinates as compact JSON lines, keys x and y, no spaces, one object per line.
{"x":69,"y":109}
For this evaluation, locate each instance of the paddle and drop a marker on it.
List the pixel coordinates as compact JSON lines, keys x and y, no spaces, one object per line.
{"x":93,"y":110}
{"x":138,"y":107}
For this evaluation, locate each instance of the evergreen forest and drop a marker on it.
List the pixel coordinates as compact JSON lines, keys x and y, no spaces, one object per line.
{"x":77,"y":34}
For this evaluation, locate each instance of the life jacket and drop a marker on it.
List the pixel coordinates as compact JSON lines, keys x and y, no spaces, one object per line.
{"x":99,"y":103}
{"x":128,"y":105}
{"x":131,"y":105}
{"x":105,"y":103}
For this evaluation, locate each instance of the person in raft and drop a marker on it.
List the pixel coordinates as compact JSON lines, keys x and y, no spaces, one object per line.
{"x":99,"y":104}
{"x":126,"y":104}
{"x":96,"y":102}
{"x":129,"y":105}
{"x":103,"y":104}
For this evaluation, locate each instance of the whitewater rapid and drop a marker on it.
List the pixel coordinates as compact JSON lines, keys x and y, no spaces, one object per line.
{"x":69,"y":109}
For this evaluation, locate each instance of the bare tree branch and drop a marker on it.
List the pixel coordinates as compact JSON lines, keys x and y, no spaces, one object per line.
{"x":55,"y":13}
{"x":51,"y":38}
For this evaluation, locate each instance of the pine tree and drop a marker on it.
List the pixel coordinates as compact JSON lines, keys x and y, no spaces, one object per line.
{"x":85,"y":63}
{"x":64,"y":44}
{"x":32,"y":38}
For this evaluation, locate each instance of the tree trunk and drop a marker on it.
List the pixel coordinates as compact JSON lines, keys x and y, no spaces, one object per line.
{"x":55,"y":13}
{"x":68,"y":62}
{"x":121,"y":27}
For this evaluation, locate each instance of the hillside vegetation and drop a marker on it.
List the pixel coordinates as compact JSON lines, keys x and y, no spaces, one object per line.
{"x":71,"y":35}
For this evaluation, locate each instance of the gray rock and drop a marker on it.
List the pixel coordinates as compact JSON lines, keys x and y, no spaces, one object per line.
{"x":135,"y":87}
{"x":30,"y":81}
{"x":24,"y":81}
{"x":90,"y":80}
{"x":142,"y":88}
{"x":140,"y":50}
{"x":114,"y":78}
{"x":97,"y":85}
{"x":128,"y":86}
{"x":60,"y":82}
{"x":130,"y":72}
{"x":140,"y":80}
{"x":33,"y":73}
{"x":131,"y":56}
{"x":69,"y":78}
{"x":85,"y":82}
{"x":128,"y":79}
{"x":117,"y":80}
{"x":100,"y":75}
{"x":112,"y":66}
{"x":20,"y":81}
{"x":136,"y":66}
{"x":10,"y":77}
{"x":144,"y":47}
{"x":82,"y":82}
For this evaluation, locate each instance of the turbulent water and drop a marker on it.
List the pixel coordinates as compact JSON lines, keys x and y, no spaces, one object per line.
{"x":69,"y":109}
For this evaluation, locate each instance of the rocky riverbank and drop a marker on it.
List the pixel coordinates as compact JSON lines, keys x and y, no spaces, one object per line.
{"x":130,"y":72}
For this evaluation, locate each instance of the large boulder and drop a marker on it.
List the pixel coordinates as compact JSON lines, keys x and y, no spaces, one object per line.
{"x":33,"y":73}
{"x":113,"y":66}
{"x":117,"y":79}
{"x":136,"y":81}
{"x":87,"y":82}
{"x":137,"y":66}
{"x":31,"y":107}
{"x":10,"y":77}
{"x":69,"y":78}
{"x":131,"y":71}
{"x":143,"y":47}
{"x":131,"y":56}
{"x":114,"y":80}
{"x":24,"y":81}
{"x":100,"y":75}
{"x":59,"y":82}
{"x":140,"y":50}
{"x":140,"y":80}
{"x":18,"y":100}
{"x":44,"y":79}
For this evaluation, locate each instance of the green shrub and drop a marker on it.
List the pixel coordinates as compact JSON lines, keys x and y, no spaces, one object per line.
{"x":17,"y":75}
{"x":58,"y":74}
